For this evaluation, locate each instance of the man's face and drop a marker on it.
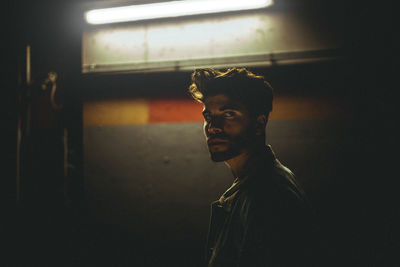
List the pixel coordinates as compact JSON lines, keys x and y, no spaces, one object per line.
{"x":227,"y":127}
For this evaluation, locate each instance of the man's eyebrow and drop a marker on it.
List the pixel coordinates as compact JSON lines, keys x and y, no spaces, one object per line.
{"x":230,"y":106}
{"x":224,"y":107}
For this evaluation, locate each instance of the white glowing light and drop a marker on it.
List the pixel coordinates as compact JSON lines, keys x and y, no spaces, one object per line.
{"x":170,"y":9}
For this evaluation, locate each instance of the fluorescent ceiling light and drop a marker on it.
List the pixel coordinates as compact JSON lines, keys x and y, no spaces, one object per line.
{"x":170,"y":9}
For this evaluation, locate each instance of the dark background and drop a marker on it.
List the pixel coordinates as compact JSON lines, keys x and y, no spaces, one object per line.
{"x":54,"y":223}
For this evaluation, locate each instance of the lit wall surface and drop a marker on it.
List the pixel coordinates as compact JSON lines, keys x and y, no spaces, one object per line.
{"x":219,"y":41}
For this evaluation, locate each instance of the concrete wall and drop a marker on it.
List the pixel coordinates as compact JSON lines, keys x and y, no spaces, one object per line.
{"x":149,"y":180}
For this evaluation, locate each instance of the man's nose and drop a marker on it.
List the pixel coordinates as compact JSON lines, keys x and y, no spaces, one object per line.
{"x":214,"y":126}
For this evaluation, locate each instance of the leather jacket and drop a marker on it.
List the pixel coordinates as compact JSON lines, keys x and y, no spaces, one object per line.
{"x":263,"y":219}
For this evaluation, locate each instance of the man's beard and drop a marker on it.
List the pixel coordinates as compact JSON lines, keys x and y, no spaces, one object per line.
{"x":219,"y":156}
{"x":236,"y":145}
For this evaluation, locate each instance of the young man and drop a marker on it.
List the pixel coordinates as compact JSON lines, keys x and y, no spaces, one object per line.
{"x":263,"y":219}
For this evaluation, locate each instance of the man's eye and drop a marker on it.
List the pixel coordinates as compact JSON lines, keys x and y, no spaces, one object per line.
{"x":229,"y":114}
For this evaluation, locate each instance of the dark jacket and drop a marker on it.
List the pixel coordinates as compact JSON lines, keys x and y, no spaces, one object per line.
{"x":264,"y":219}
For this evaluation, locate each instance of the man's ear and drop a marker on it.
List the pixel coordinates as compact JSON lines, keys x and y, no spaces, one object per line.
{"x":261,"y":123}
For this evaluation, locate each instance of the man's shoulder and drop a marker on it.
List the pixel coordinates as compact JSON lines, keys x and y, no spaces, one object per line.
{"x":284,"y":179}
{"x":274,"y":176}
{"x":268,"y":171}
{"x":273,"y":186}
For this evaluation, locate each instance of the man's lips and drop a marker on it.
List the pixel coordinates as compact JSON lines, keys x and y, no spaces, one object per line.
{"x":216,"y":141}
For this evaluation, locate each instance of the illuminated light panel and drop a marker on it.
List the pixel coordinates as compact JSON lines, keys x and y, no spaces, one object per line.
{"x":170,"y":9}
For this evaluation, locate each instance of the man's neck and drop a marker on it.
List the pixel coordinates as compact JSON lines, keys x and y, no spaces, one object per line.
{"x":238,"y":163}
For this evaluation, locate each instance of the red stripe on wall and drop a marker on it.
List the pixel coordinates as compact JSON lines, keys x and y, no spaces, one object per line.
{"x":174,"y":110}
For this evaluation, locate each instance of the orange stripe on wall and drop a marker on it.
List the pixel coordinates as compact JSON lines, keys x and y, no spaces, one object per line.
{"x":175,"y":110}
{"x":302,"y":107}
{"x":115,"y":112}
{"x":141,"y":111}
{"x":285,"y":108}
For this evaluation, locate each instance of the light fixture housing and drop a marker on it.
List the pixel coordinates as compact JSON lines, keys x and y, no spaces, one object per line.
{"x":170,"y":9}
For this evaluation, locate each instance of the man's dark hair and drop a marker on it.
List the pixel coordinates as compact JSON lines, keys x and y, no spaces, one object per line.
{"x":237,"y":83}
